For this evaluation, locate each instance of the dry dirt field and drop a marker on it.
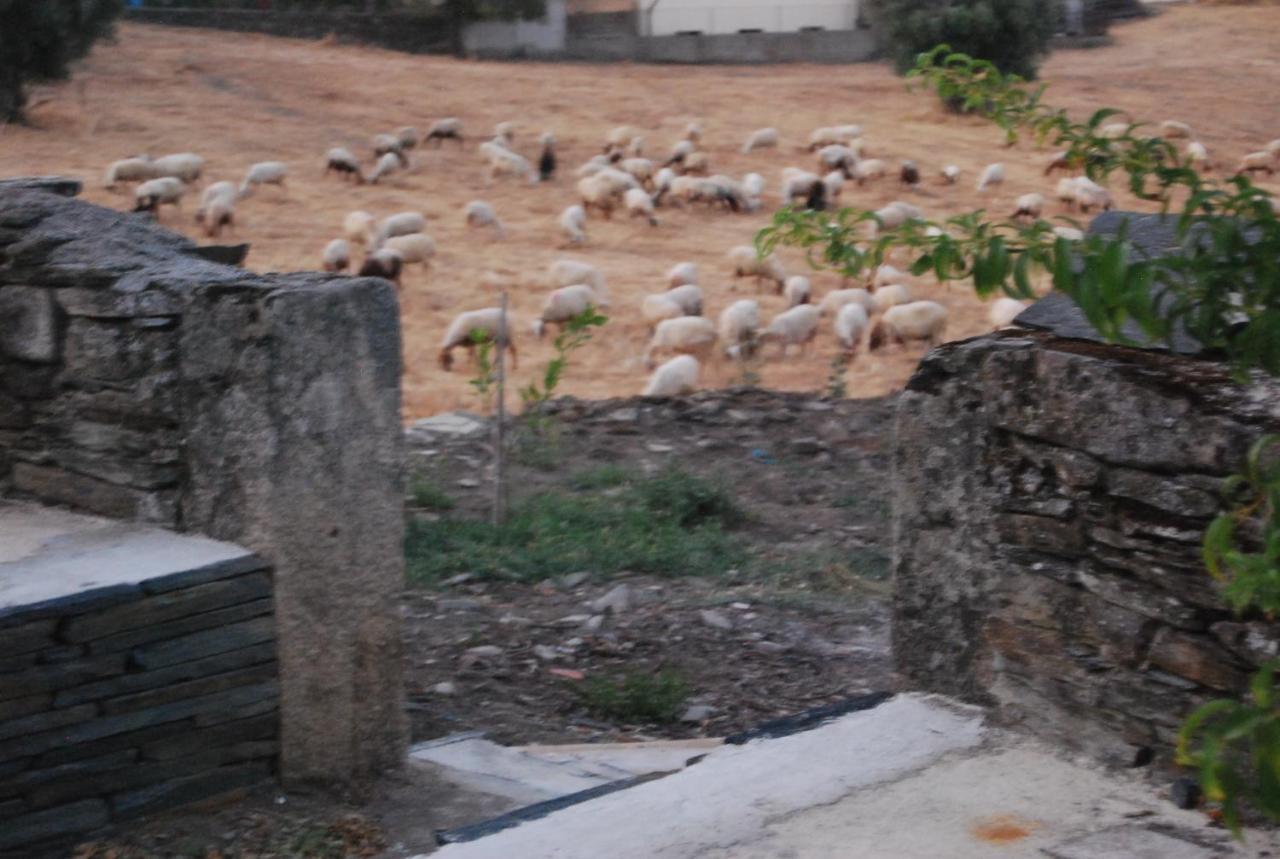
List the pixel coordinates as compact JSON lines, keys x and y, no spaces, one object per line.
{"x":239,"y":99}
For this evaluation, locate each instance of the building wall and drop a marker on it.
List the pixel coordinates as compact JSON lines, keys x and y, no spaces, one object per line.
{"x":710,"y":17}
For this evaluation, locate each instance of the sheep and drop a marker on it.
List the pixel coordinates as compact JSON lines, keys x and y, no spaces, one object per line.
{"x":1198,"y":156}
{"x":681,"y":274}
{"x":129,"y":170}
{"x":889,"y":296}
{"x":412,"y":248}
{"x":753,"y":184}
{"x":1090,"y":195}
{"x":389,"y":144}
{"x":761,"y":138}
{"x":897,"y":213}
{"x":798,"y":183}
{"x":1114,"y":130}
{"x":468,"y":327}
{"x":909,"y":174}
{"x":842,"y":134}
{"x":838,"y":157}
{"x":1274,"y":147}
{"x":662,"y":182}
{"x":1059,"y":161}
{"x":408,"y":136}
{"x":675,"y":377}
{"x":656,"y":308}
{"x":919,"y":320}
{"x":746,"y":263}
{"x":1071,"y":234}
{"x":797,"y":290}
{"x":441,"y":130}
{"x":505,"y":132}
{"x":884,"y":275}
{"x":337,"y":255}
{"x":401,"y":224}
{"x":1066,"y":191}
{"x":264,"y":173}
{"x":992,"y":174}
{"x":221,"y":212}
{"x":679,"y":153}
{"x":619,"y":137}
{"x":851,"y":323}
{"x":871,"y":168}
{"x":573,"y":223}
{"x":152,"y":194}
{"x":563,"y":305}
{"x":797,"y":326}
{"x":685,"y":335}
{"x":596,"y":193}
{"x":1258,"y":162}
{"x":1004,"y":310}
{"x":186,"y":166}
{"x":569,"y":272}
{"x":1029,"y":206}
{"x":502,"y":163}
{"x":358,"y":227}
{"x":696,"y":164}
{"x":384,"y":263}
{"x":479,"y":213}
{"x":640,"y":169}
{"x":950,"y":174}
{"x":738,"y":327}
{"x":833,"y":185}
{"x":547,"y":160}
{"x":387,"y":165}
{"x":1171,"y":129}
{"x":218,"y":191}
{"x":833,"y":301}
{"x":640,"y":205}
{"x":635,"y":148}
{"x":693,"y":132}
{"x":687,"y":297}
{"x":344,"y":163}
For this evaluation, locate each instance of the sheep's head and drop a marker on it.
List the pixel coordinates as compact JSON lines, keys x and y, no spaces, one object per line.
{"x":878,"y":337}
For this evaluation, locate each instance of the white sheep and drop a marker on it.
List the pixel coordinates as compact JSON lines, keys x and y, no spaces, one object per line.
{"x":640,"y":169}
{"x":1274,"y":147}
{"x":1066,"y":190}
{"x":479,"y":213}
{"x":1114,"y":130}
{"x":337,"y":255}
{"x":1259,"y":162}
{"x":218,"y":191}
{"x":795,"y":327}
{"x":896,"y":214}
{"x":851,"y":323}
{"x":387,"y":165}
{"x":384,"y":263}
{"x":886,"y":274}
{"x":358,"y":227}
{"x":919,"y":320}
{"x":1198,"y":156}
{"x":746,"y":263}
{"x":837,"y":134}
{"x":505,"y":131}
{"x":685,"y":335}
{"x":868,"y":169}
{"x":753,"y":184}
{"x":891,"y":295}
{"x":682,"y":273}
{"x":1029,"y":206}
{"x":1004,"y":310}
{"x":620,"y":137}
{"x":1058,"y":161}
{"x":838,"y":157}
{"x":449,"y":128}
{"x":679,"y":153}
{"x":573,"y":223}
{"x":401,"y":224}
{"x":598,"y":192}
{"x":833,"y":301}
{"x":833,"y":183}
{"x":413,"y":248}
{"x":344,"y":163}
{"x":675,"y":377}
{"x":696,"y":164}
{"x":1091,"y":195}
{"x":186,"y":166}
{"x":761,"y":138}
{"x":152,"y":194}
{"x":951,"y":174}
{"x":656,"y":308}
{"x":693,"y":132}
{"x":264,"y":173}
{"x":129,"y":170}
{"x":408,"y":136}
{"x":389,"y":144}
{"x":564,"y":304}
{"x":1172,"y":129}
{"x":1071,"y":234}
{"x":688,"y":297}
{"x":569,"y":272}
{"x":738,"y":327}
{"x":992,"y":174}
{"x":640,"y":205}
{"x":511,"y":164}
{"x":797,"y":290}
{"x":221,"y":212}
{"x":483,"y":325}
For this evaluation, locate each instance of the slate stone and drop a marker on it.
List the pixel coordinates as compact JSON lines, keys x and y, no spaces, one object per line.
{"x":79,"y":490}
{"x":116,"y":742}
{"x":49,"y":824}
{"x":184,"y":791}
{"x":266,"y":727}
{"x":223,"y":254}
{"x":191,"y":689}
{"x":27,"y":637}
{"x":76,"y":769}
{"x":173,"y":674}
{"x":207,"y":573}
{"x":62,"y":186}
{"x":202,"y":644}
{"x":30,"y":324}
{"x":183,"y":626}
{"x":64,"y":675}
{"x":11,"y":808}
{"x":46,"y":721}
{"x":15,"y":707}
{"x":1162,"y":493}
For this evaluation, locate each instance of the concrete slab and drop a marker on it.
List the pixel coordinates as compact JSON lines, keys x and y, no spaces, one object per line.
{"x":1131,"y":842}
{"x":47,"y":553}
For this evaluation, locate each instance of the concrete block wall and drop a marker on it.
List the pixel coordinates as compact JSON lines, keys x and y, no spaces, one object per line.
{"x":121,"y":701}
{"x":1050,"y":500}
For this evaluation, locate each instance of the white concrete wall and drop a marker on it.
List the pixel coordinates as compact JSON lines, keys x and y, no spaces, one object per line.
{"x":512,"y":38}
{"x":732,"y":16}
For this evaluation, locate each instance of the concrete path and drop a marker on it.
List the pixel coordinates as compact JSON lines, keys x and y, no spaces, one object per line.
{"x":916,"y":777}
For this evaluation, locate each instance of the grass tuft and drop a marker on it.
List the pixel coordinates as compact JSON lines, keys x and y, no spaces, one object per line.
{"x":636,"y":698}
{"x":428,"y":496}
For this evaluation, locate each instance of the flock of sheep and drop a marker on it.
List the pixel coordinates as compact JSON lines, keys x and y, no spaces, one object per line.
{"x":621,"y":179}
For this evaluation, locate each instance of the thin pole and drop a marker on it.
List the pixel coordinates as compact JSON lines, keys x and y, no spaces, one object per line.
{"x":499,"y":424}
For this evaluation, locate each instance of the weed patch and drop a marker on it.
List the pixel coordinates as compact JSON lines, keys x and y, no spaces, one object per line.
{"x":636,"y":698}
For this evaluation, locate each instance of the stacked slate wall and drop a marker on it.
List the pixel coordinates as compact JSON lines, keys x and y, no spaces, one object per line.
{"x":135,"y":698}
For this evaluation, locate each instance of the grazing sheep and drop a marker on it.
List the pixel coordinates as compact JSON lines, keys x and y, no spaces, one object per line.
{"x":897,"y":213}
{"x":563,"y":305}
{"x":890,"y":295}
{"x":598,"y":193}
{"x":833,"y":185}
{"x":685,"y":335}
{"x":1059,"y":161}
{"x":1198,"y":156}
{"x":1114,"y":130}
{"x":868,"y":169}
{"x":635,"y":149}
{"x":152,"y":194}
{"x":344,"y":163}
{"x":675,"y":377}
{"x":569,"y":272}
{"x":797,"y":183}
{"x":389,"y":144}
{"x":1171,"y":129}
{"x":950,"y":174}
{"x":1258,"y":162}
{"x":656,"y":308}
{"x":358,"y":227}
{"x":640,"y":205}
{"x":688,"y":297}
{"x":909,"y":174}
{"x":797,"y":290}
{"x":504,"y":163}
{"x":505,"y":132}
{"x":795,"y":327}
{"x":384,"y":263}
{"x":408,"y":136}
{"x":129,"y":170}
{"x":186,"y":166}
{"x":337,"y":255}
{"x":387,"y":165}
{"x":992,"y":174}
{"x":838,"y":134}
{"x":573,"y":223}
{"x":679,"y":153}
{"x":682,"y":273}
{"x":919,"y":320}
{"x":264,"y":173}
{"x":753,"y":184}
{"x":761,"y":138}
{"x":1004,"y":310}
{"x":1066,"y":191}
{"x":739,"y":326}
{"x":640,"y":169}
{"x":746,"y":263}
{"x":619,"y":137}
{"x":480,"y":214}
{"x":445,"y":129}
{"x":1091,"y":195}
{"x":547,"y":160}
{"x":662,"y":183}
{"x":401,"y":224}
{"x":838,"y":157}
{"x":1071,"y":234}
{"x":218,"y":191}
{"x":412,"y":248}
{"x":693,"y":132}
{"x":593,"y":166}
{"x":884,"y":275}
{"x":473,"y":325}
{"x":833,"y":301}
{"x":221,"y":212}
{"x":696,"y":164}
{"x":1029,"y":206}
{"x":851,"y":323}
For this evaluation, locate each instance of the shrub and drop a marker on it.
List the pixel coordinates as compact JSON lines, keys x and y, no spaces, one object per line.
{"x":636,"y":698}
{"x":1012,"y":34}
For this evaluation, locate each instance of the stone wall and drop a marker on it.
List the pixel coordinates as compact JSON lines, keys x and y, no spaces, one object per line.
{"x":140,"y":381}
{"x":1050,"y":500}
{"x":131,"y":699}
